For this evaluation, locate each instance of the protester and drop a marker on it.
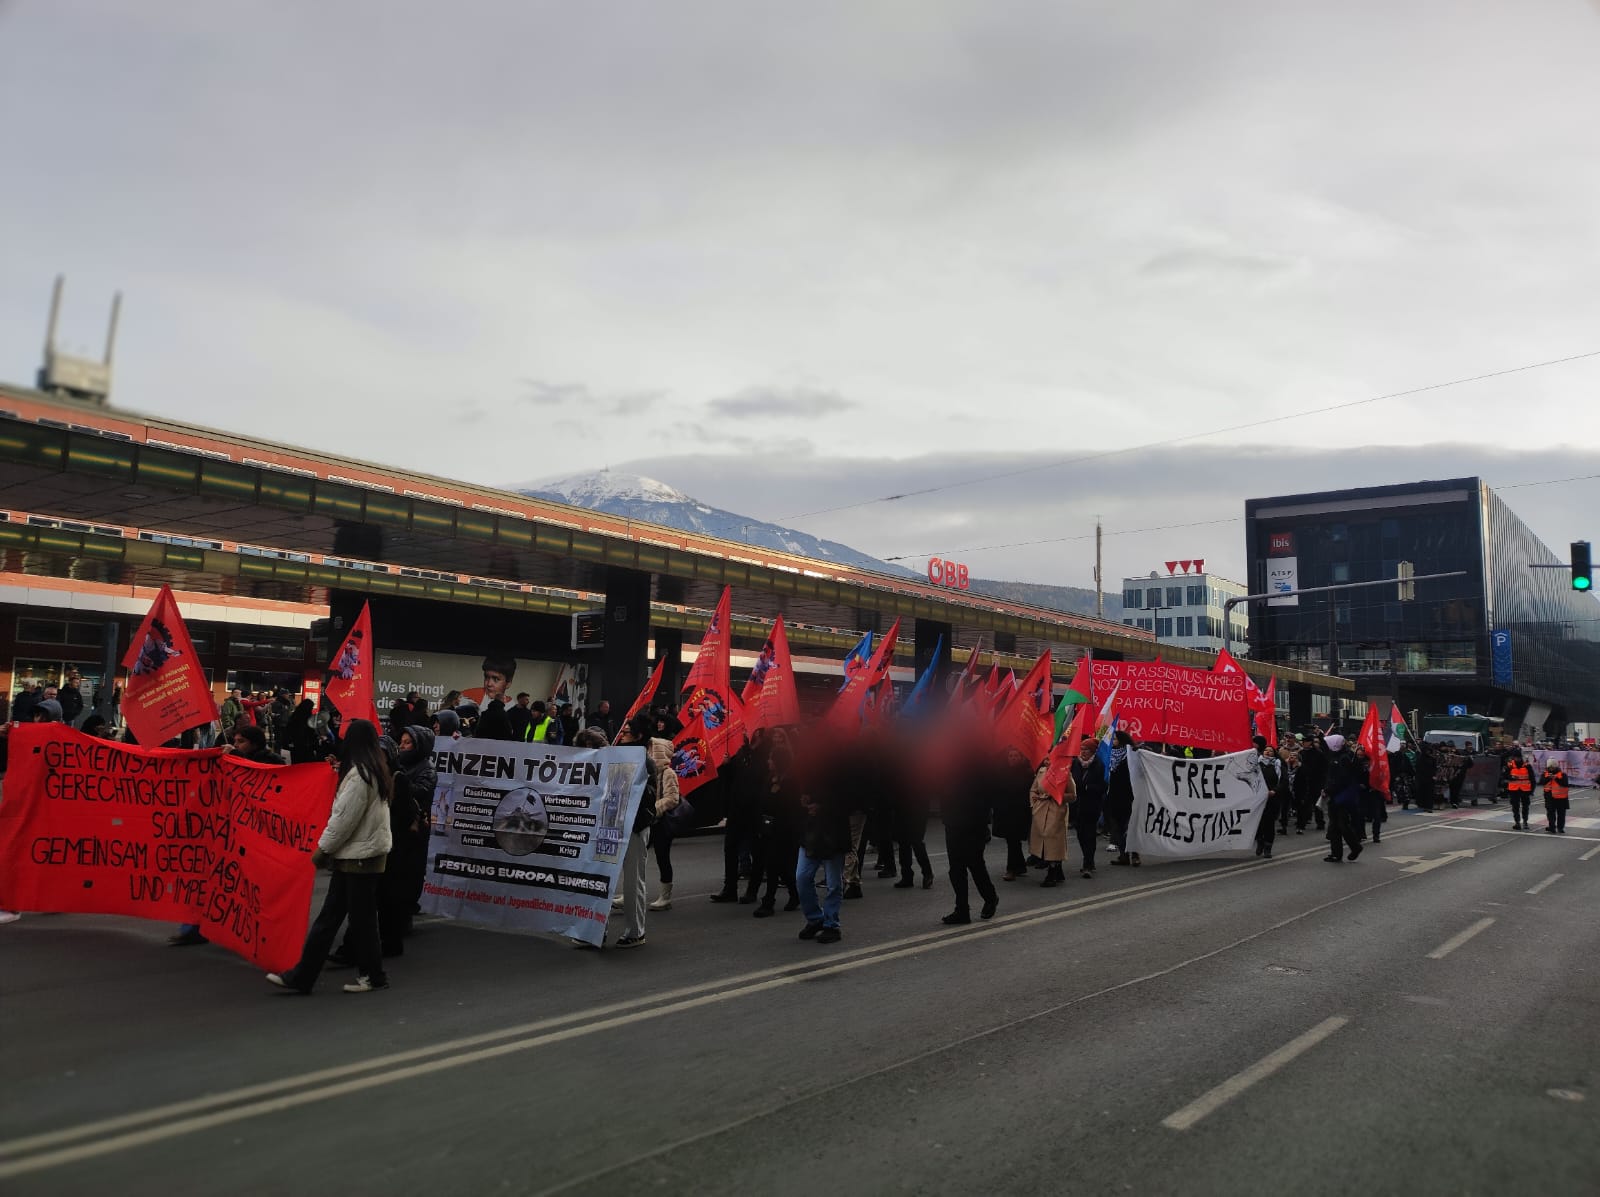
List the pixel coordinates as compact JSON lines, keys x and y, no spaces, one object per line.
{"x":250,"y":743}
{"x":521,"y":718}
{"x":825,"y":834}
{"x":1119,"y":798}
{"x":746,"y":784}
{"x":604,"y":719}
{"x":355,"y":844}
{"x":909,"y":801}
{"x":1345,"y":778}
{"x":1013,"y":816}
{"x":1309,"y":781}
{"x":633,"y":861}
{"x":396,"y":897}
{"x":300,"y":739}
{"x":965,"y":811}
{"x":1277,"y":782}
{"x":1089,"y":780}
{"x":672,"y":814}
{"x":780,"y":815}
{"x":1048,"y":838}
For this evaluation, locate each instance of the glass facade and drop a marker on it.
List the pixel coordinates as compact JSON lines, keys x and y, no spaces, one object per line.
{"x":1437,"y":648}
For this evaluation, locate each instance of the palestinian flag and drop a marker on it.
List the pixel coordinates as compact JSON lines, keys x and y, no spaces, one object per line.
{"x":1078,"y":692}
{"x":1399,"y":733}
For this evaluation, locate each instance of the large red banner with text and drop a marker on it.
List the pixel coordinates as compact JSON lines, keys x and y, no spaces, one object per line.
{"x":91,"y":826}
{"x":1172,"y":704}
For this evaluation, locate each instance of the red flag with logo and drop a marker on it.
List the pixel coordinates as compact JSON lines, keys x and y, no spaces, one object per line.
{"x":845,"y":714}
{"x":709,"y":699}
{"x":1374,"y":745}
{"x":769,"y":697}
{"x":166,"y":693}
{"x":350,"y":685}
{"x":1226,"y":664}
{"x":1025,"y":721}
{"x":694,"y":755}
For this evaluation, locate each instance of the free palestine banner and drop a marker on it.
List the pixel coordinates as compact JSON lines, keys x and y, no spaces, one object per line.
{"x":1186,"y":808}
{"x":530,"y":837}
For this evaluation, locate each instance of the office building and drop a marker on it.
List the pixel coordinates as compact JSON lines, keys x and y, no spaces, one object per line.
{"x":1184,"y":607}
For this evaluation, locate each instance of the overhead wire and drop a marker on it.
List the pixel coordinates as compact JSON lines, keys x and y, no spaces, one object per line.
{"x":1263,"y":422}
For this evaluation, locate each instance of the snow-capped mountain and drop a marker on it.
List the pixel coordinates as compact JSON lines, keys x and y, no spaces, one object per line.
{"x":635,"y":497}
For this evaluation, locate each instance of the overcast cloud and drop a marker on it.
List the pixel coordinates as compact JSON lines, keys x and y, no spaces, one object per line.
{"x":819,"y":248}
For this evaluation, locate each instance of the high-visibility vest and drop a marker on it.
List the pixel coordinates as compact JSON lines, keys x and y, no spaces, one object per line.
{"x":1555,"y":785}
{"x":1521,"y":780}
{"x":541,"y":729}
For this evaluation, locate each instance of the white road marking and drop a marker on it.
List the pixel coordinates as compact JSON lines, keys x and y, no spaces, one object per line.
{"x":1418,"y":864}
{"x":1455,"y":941}
{"x":1521,"y":835}
{"x":1210,"y":1102}
{"x":561,"y":1028}
{"x":1546,"y":883}
{"x":1591,"y":853}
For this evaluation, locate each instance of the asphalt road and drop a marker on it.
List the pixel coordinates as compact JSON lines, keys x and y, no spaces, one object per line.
{"x":1420,"y":1021}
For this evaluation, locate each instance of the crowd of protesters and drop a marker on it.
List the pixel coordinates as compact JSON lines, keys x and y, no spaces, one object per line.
{"x":801,"y":811}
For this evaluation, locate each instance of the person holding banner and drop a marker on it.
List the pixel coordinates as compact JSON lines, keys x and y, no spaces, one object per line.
{"x":355,"y":844}
{"x":1119,"y":800}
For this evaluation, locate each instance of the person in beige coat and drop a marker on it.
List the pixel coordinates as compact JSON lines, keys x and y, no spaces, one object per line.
{"x":1048,"y":839}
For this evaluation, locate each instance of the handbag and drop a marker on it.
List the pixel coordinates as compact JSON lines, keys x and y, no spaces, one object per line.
{"x":681,"y":817}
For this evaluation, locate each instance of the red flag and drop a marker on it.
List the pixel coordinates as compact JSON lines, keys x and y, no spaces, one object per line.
{"x":769,"y":697}
{"x":1372,"y":743}
{"x":166,"y":693}
{"x":969,"y":675}
{"x":1024,"y":722}
{"x":1226,"y":664}
{"x":648,"y":693}
{"x":1267,"y":721}
{"x":710,"y":699}
{"x":350,"y":684}
{"x":845,"y":714}
{"x":694,"y":755}
{"x":1059,"y":769}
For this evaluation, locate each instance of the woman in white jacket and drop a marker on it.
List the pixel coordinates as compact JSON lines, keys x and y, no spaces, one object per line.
{"x":355,"y":845}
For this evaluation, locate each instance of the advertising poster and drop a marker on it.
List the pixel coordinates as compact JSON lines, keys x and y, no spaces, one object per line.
{"x":1185,"y":808}
{"x":89,"y":826}
{"x":433,"y":675}
{"x":530,"y":837}
{"x":1283,"y":574}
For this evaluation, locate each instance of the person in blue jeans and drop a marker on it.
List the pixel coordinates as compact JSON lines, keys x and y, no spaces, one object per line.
{"x":824,"y":838}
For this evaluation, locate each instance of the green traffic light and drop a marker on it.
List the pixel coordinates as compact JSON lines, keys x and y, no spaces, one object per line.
{"x":1582,"y":583}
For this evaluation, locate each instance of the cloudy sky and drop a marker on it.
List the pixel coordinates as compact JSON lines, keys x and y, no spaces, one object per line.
{"x":793,"y":256}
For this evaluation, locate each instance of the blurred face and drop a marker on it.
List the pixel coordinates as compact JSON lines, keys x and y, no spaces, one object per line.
{"x":406,"y":742}
{"x":1086,"y":751}
{"x":240,"y":744}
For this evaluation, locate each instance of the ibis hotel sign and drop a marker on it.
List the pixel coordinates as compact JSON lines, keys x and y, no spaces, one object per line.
{"x":948,"y":573}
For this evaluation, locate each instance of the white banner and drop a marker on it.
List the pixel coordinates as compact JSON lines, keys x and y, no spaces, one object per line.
{"x":1184,"y":807}
{"x":1283,"y":573}
{"x":530,"y":837}
{"x":1582,"y":766}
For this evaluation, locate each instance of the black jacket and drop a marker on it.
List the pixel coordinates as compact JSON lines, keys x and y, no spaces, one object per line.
{"x":1090,"y":781}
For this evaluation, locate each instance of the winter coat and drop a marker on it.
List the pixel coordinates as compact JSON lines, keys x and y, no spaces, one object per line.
{"x":668,"y":796}
{"x":230,"y":714}
{"x":1090,"y":782}
{"x":1346,"y":779}
{"x":1013,"y":816}
{"x":1048,"y":840}
{"x":417,"y":765}
{"x":358,"y":826}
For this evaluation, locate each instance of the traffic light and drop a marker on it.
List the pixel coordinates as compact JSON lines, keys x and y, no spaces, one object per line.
{"x":1582,"y":570}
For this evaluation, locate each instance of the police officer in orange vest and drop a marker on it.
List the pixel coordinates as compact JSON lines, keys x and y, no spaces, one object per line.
{"x":1519,"y":788}
{"x":1554,"y":782}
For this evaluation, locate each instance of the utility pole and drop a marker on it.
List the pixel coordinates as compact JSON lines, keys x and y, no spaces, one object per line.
{"x":1099,"y":585}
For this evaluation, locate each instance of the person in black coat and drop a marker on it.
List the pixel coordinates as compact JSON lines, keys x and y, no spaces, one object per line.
{"x":1013,"y":813}
{"x":778,"y":819}
{"x":965,"y":813}
{"x":1119,"y":799}
{"x":1308,"y":783}
{"x":745,"y":780}
{"x":1346,"y":779}
{"x":1089,"y":778}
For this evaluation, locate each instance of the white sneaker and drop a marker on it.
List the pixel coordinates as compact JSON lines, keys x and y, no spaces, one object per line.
{"x":616,"y":902}
{"x":365,"y":985}
{"x":9,"y":916}
{"x":663,"y":900}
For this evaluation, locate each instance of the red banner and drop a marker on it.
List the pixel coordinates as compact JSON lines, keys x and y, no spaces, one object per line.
{"x":1170,"y":704}
{"x":350,"y":678}
{"x":1373,"y":744}
{"x":167,"y":693}
{"x":708,"y":698}
{"x":90,"y":826}
{"x":647,"y":695}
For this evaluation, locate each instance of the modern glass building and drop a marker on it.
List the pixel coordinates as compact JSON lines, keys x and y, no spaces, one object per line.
{"x":1503,"y":640}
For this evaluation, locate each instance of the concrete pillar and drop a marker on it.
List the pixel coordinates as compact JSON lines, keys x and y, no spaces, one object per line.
{"x":927,"y":633}
{"x":669,"y":646}
{"x":623,"y":666}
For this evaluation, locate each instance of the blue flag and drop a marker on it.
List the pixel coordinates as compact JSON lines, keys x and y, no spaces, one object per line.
{"x":912,"y":706}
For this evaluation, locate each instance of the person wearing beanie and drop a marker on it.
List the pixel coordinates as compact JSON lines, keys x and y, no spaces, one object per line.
{"x":1345,"y":779}
{"x":47,"y":710}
